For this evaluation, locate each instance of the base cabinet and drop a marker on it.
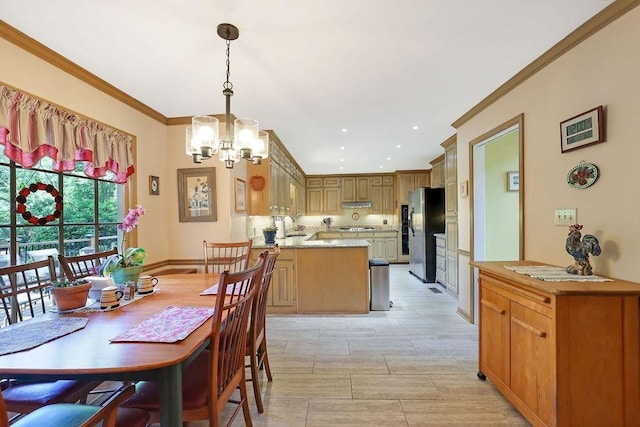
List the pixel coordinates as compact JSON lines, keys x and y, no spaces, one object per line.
{"x":563,"y":353}
{"x":282,"y":290}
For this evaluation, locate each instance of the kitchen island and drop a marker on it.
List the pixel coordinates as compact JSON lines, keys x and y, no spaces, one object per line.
{"x":318,"y":276}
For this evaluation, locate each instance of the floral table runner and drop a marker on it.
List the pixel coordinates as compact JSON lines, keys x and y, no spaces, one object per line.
{"x":32,"y":333}
{"x":170,"y":325}
{"x":552,"y":274}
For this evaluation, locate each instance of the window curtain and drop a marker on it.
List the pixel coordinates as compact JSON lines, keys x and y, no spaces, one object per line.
{"x":31,"y":129}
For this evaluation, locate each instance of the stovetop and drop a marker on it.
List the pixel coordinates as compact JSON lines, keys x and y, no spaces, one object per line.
{"x":357,"y":228}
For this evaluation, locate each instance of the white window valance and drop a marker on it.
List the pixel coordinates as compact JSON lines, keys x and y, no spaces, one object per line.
{"x":31,"y":128}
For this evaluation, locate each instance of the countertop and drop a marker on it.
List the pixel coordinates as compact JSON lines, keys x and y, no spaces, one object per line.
{"x":301,"y":242}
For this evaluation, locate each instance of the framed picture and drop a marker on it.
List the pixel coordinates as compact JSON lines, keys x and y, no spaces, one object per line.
{"x":240,"y":196}
{"x":513,"y":181}
{"x":154,"y":185}
{"x":582,"y":130}
{"x":197,"y":195}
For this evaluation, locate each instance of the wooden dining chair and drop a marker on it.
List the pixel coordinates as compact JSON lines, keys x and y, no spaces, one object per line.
{"x":257,"y":341}
{"x":210,"y":380}
{"x":71,"y":415}
{"x":24,"y":297}
{"x":233,"y":256}
{"x":79,"y":266}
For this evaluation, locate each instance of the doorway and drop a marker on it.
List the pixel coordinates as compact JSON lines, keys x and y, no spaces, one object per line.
{"x":497,"y":188}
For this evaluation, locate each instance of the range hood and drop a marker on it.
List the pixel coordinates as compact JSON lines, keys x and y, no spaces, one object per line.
{"x":356,"y":205}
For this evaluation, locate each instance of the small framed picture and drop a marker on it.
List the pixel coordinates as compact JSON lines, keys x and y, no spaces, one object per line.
{"x":582,"y":130}
{"x":240,"y":196}
{"x":513,"y":181}
{"x":154,"y":185}
{"x":464,"y":189}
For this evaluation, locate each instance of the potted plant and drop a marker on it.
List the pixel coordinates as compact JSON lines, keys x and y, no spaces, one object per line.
{"x":70,"y":294}
{"x":269,"y":234}
{"x":127,"y":265}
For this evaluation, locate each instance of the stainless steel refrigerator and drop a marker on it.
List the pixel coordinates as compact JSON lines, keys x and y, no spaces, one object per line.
{"x":426,"y":218}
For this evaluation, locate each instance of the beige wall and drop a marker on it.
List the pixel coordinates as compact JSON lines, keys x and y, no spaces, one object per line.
{"x":160,"y":152}
{"x":603,"y":70}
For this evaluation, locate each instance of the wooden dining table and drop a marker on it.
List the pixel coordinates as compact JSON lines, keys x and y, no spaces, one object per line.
{"x":88,"y":354}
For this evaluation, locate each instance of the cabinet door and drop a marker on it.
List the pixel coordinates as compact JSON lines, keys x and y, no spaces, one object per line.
{"x":494,"y":335}
{"x":379,"y":248}
{"x":274,"y":193}
{"x":331,"y":181}
{"x":391,"y":249}
{"x":405,"y":185}
{"x":314,"y":201}
{"x":363,"y":189}
{"x":332,"y":200}
{"x":532,"y":360}
{"x":282,"y":286}
{"x":301,"y":197}
{"x":421,"y":179}
{"x":349,"y":189}
{"x":387,"y":200}
{"x":376,"y":199}
{"x":314,"y":182}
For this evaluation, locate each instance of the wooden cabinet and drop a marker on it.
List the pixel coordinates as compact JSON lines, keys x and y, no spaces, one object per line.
{"x":450,"y":184}
{"x":563,"y":353}
{"x":408,"y":181}
{"x":356,"y":189}
{"x":282,"y":290}
{"x":441,"y":259}
{"x":314,"y":201}
{"x":382,"y":194}
{"x":332,"y":203}
{"x":437,"y":172}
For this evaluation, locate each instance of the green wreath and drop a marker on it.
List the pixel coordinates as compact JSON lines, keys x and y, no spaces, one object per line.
{"x":27,"y":215}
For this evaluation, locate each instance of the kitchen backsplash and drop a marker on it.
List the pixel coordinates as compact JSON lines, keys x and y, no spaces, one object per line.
{"x":255,"y":224}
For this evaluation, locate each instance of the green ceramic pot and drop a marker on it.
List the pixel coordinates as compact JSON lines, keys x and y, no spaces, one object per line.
{"x":126,"y":274}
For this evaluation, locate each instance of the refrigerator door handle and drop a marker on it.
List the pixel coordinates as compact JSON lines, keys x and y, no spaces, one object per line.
{"x":411,"y":223}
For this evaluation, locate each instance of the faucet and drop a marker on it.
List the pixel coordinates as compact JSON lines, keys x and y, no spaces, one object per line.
{"x":293,"y":220}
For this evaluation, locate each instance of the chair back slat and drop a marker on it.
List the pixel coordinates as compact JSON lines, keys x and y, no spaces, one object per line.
{"x":77,"y":267}
{"x":24,"y":286}
{"x":229,"y":333}
{"x":259,"y":308}
{"x":219,"y":257}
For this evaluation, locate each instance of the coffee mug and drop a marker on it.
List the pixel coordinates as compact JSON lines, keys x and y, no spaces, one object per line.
{"x":110,"y":297}
{"x":146,"y":284}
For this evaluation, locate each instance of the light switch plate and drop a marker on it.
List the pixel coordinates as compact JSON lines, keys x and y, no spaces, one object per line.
{"x":565,"y":216}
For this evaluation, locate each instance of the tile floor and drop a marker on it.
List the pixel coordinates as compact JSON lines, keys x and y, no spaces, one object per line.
{"x":414,"y":365}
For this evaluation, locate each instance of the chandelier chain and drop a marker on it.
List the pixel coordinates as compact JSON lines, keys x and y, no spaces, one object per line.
{"x":228,"y":84}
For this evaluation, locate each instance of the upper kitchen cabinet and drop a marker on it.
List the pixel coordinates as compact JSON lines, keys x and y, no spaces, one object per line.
{"x":324,"y":195}
{"x":275,"y":185}
{"x":437,"y":172}
{"x":408,"y":181}
{"x":356,"y":189}
{"x":382,"y":194}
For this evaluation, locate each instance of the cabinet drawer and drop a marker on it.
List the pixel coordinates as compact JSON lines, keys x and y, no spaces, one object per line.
{"x":440,"y":252}
{"x":441,"y":277}
{"x":441,"y":264}
{"x":440,"y":242}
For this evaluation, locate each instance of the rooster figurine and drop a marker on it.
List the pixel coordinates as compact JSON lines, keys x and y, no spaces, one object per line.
{"x":580,"y":250}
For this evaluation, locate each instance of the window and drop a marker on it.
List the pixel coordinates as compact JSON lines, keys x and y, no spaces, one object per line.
{"x":91,"y":211}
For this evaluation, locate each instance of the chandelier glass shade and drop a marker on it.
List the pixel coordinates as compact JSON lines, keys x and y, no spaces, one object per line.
{"x":242,"y":140}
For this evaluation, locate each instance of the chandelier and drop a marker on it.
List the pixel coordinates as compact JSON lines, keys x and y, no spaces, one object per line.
{"x":244,"y":141}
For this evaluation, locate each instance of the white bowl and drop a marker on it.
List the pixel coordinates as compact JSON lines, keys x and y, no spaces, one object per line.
{"x":97,"y":284}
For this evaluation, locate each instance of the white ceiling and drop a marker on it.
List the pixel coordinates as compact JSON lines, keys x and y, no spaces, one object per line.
{"x":307,"y":69}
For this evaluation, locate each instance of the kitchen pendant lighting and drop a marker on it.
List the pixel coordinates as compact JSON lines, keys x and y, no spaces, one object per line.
{"x":245,"y":141}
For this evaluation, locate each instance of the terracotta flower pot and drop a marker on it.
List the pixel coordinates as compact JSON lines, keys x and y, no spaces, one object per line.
{"x":69,"y":298}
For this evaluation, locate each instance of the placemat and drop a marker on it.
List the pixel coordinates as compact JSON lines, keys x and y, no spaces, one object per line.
{"x":553,"y":274}
{"x":213,"y":290}
{"x":32,"y":333}
{"x":170,"y":325}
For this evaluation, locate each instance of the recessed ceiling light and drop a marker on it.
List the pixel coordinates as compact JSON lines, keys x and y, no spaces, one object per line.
{"x":398,"y":146}
{"x":414,"y":127}
{"x":381,"y":166}
{"x":341,"y":168}
{"x":342,"y":160}
{"x":342,"y":148}
{"x":344,"y":130}
{"x":388,"y":158}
